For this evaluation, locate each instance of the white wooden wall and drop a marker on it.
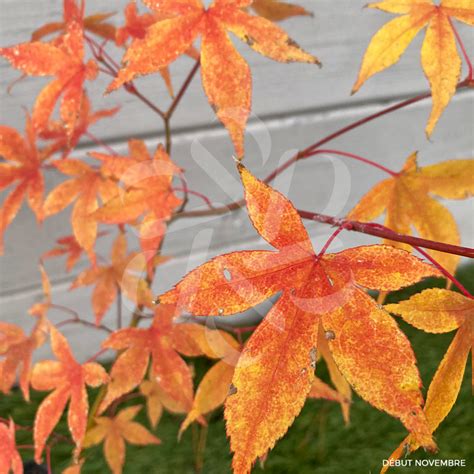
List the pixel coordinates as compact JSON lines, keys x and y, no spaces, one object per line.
{"x":293,"y":106}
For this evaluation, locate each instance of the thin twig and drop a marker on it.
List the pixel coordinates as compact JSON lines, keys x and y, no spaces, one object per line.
{"x":445,"y":272}
{"x":83,"y":322}
{"x":100,"y":142}
{"x":202,"y":196}
{"x":463,"y":50}
{"x":183,"y":89}
{"x":354,"y":157}
{"x":119,"y":308}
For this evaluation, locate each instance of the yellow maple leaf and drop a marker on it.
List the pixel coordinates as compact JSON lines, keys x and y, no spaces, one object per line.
{"x":439,"y":55}
{"x":406,"y":201}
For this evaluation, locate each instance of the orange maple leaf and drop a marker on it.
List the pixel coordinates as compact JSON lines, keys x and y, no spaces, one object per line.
{"x":10,"y":459}
{"x":86,"y":183}
{"x":343,"y":389}
{"x":74,"y":468}
{"x":439,"y":55}
{"x":275,"y":10}
{"x":62,"y":139}
{"x":114,"y":432}
{"x":62,"y":58}
{"x":69,"y":246}
{"x":74,"y":13}
{"x":276,"y":368}
{"x":68,"y":379}
{"x":194,"y":340}
{"x":226,"y":76}
{"x":16,"y":348}
{"x":321,"y":390}
{"x":137,"y":346}
{"x":148,"y":191}
{"x":122,"y":274}
{"x":191,"y":340}
{"x":405,"y":199}
{"x":136,"y":26}
{"x":23,"y":166}
{"x":439,"y":311}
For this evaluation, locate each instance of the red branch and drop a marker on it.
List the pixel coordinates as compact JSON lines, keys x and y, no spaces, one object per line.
{"x":378,"y":230}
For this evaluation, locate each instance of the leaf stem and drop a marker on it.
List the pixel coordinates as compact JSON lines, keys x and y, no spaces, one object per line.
{"x":352,"y":156}
{"x":119,"y":308}
{"x":202,"y":196}
{"x":100,"y":142}
{"x":445,"y":272}
{"x":358,"y":123}
{"x":83,"y":322}
{"x":331,"y":239}
{"x":183,"y":89}
{"x":200,"y":447}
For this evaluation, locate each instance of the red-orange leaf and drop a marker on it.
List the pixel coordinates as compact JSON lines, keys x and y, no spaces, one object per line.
{"x":275,"y":10}
{"x":16,"y":348}
{"x":23,"y":162}
{"x":276,"y":368}
{"x":95,"y":23}
{"x":147,"y":181}
{"x":322,"y":390}
{"x":84,"y":186}
{"x":69,"y":246}
{"x":225,"y":75}
{"x":62,"y":58}
{"x":114,"y":432}
{"x":122,"y":274}
{"x":168,"y":369}
{"x":136,"y":27}
{"x":10,"y":459}
{"x":65,"y":141}
{"x":68,"y":379}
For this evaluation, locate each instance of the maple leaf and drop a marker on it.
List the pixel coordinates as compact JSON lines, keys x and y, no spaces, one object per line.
{"x":68,"y":379}
{"x":405,"y":199}
{"x":10,"y":458}
{"x":439,"y":55}
{"x":114,"y":432}
{"x":191,"y":340}
{"x":136,"y":26}
{"x":137,"y":346}
{"x":17,"y":348}
{"x":62,"y":58}
{"x":121,"y":275}
{"x":74,"y":468}
{"x":74,"y":13}
{"x":68,"y":245}
{"x":195,"y":340}
{"x":148,"y":191}
{"x":23,"y":166}
{"x":62,"y":139}
{"x":321,"y":390}
{"x":85,"y":184}
{"x":157,"y":400}
{"x":275,"y":10}
{"x":343,"y":389}
{"x":276,"y":368}
{"x":439,"y":311}
{"x":226,"y":77}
